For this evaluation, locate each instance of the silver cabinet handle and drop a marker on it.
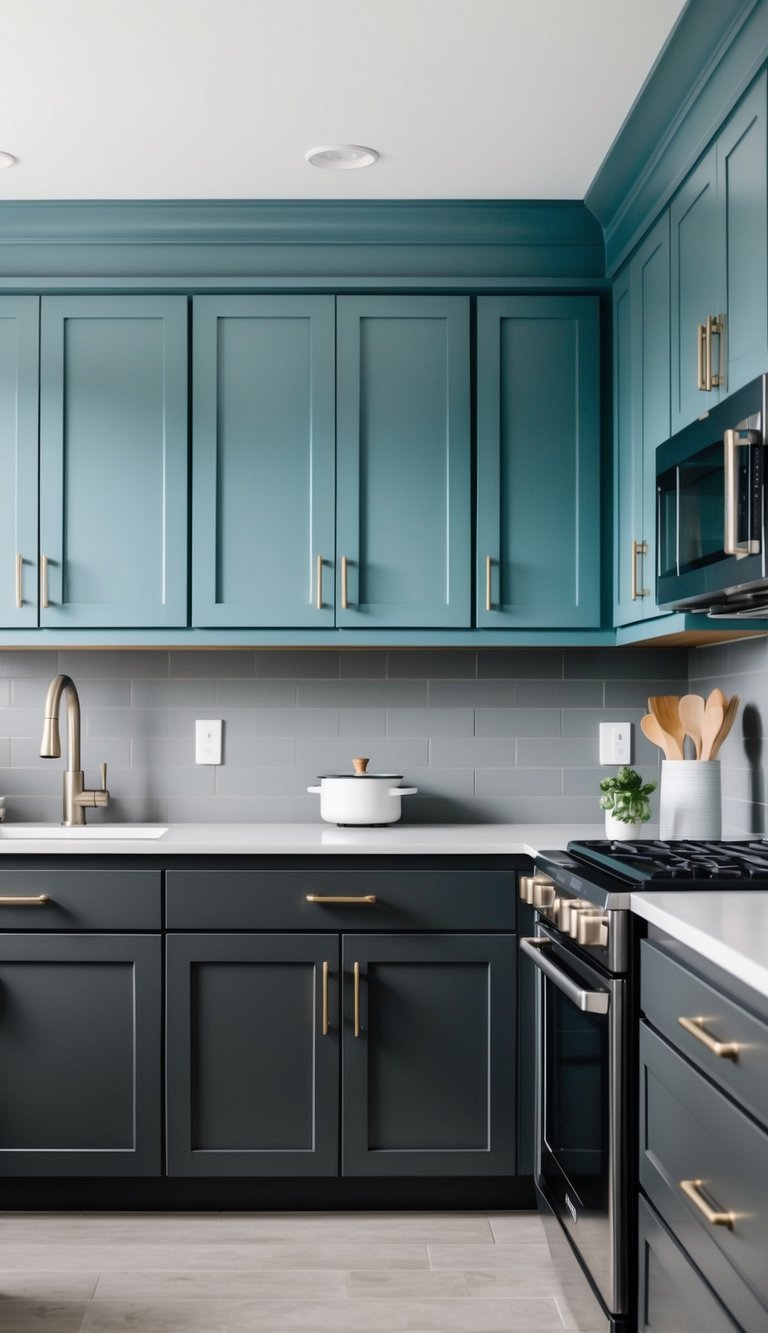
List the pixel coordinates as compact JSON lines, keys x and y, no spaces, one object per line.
{"x":714,"y":325}
{"x":701,"y":338}
{"x":638,"y":549}
{"x":488,"y":570}
{"x":44,"y":582}
{"x":344,"y":583}
{"x":356,"y":975}
{"x":19,"y":574}
{"x":734,"y":440}
{"x":727,"y":1050}
{"x":588,"y":1001}
{"x":325,"y":999}
{"x":319,"y":588}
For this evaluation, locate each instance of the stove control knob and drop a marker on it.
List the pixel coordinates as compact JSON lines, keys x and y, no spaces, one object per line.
{"x":531,"y":887}
{"x":567,"y":915}
{"x":592,"y":928}
{"x":543,"y":893}
{"x":526,"y":888}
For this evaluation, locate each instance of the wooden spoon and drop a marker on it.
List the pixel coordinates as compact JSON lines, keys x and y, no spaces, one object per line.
{"x":717,"y":697}
{"x":665,"y":708}
{"x":710,"y":729}
{"x":651,"y":729}
{"x":692,"y":716}
{"x":728,"y":721}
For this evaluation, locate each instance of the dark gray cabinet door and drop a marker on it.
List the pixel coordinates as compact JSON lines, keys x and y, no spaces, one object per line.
{"x":80,"y":1063}
{"x":672,"y":1296}
{"x":429,"y":1055}
{"x":252,"y":1076}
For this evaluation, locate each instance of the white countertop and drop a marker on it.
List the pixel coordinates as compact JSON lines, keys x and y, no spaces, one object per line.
{"x":314,"y":839}
{"x":727,"y":926}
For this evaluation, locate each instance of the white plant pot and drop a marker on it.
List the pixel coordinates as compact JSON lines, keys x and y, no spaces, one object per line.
{"x":368,"y":799}
{"x":618,"y":831}
{"x":689,"y":802}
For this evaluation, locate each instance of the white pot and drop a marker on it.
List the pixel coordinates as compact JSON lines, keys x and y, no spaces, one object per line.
{"x":361,"y":798}
{"x":618,"y":831}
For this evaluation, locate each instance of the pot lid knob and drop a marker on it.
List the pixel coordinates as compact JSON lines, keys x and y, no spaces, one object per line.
{"x":360,"y":765}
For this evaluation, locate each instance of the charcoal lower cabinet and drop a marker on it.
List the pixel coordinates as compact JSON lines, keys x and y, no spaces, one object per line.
{"x":429,"y":1055}
{"x":252,"y":1055}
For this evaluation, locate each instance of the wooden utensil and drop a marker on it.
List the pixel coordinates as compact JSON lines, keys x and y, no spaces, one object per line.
{"x":665,"y":708}
{"x":717,"y":697}
{"x":728,"y":721}
{"x":710,"y":729}
{"x":692,"y":716}
{"x":651,"y":729}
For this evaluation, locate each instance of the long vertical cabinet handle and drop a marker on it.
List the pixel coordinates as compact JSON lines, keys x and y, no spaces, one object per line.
{"x":488,"y":574}
{"x":344,"y":583}
{"x":326,"y":970}
{"x":714,"y":325}
{"x":43,"y":582}
{"x":319,"y":583}
{"x":356,"y":975}
{"x":639,"y":549}
{"x":701,"y":338}
{"x":19,"y":580}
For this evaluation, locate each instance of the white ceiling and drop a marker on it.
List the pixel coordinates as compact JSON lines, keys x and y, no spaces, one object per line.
{"x":203,"y":99}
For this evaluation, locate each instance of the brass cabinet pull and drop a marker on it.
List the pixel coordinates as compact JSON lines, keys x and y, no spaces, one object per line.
{"x":319,"y":588}
{"x":639,"y":549}
{"x":344,"y":583}
{"x":727,"y":1050}
{"x":44,"y":582}
{"x":356,"y":974}
{"x":488,"y":571}
{"x":691,"y":1189}
{"x":18,"y":901}
{"x":714,"y":325}
{"x":701,"y":338}
{"x":340,"y":898}
{"x":325,"y":999}
{"x":19,"y":572}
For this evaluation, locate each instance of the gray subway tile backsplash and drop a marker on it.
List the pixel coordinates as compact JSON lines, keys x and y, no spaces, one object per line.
{"x":489,"y":736}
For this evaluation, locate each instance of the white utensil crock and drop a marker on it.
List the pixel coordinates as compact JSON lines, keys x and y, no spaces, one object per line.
{"x":689,"y":802}
{"x":364,"y":798}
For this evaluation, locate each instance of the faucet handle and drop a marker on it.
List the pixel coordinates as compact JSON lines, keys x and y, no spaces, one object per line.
{"x":101,"y":798}
{"x":103,"y":777}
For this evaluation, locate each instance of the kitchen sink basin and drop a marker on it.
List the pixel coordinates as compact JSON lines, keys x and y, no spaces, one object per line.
{"x":90,"y":832}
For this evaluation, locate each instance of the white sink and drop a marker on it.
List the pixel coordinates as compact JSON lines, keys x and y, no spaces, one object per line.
{"x":107,"y":832}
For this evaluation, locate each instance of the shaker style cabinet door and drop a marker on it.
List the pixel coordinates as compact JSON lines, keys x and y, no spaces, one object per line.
{"x":538,"y":462}
{"x":263,"y":461}
{"x":696,"y":291}
{"x":19,"y":348}
{"x":80,"y":1055}
{"x":113,"y":461}
{"x":429,"y":1055}
{"x":403,"y":462}
{"x":252,"y":1055}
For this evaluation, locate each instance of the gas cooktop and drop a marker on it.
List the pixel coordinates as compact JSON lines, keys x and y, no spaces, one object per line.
{"x":686,"y":864}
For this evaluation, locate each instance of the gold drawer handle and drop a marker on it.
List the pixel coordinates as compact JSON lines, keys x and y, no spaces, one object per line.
{"x":340,"y":898}
{"x":727,"y":1050}
{"x":325,"y":999}
{"x":39,"y":901}
{"x":691,"y":1189}
{"x":356,"y":974}
{"x":344,"y":583}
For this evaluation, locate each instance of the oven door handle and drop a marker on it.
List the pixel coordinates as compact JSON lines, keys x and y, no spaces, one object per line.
{"x":588,"y":1001}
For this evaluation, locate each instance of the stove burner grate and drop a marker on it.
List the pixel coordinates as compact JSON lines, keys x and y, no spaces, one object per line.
{"x":673,"y":862}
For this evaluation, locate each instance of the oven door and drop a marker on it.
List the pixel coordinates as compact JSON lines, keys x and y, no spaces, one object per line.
{"x":582,"y":1139}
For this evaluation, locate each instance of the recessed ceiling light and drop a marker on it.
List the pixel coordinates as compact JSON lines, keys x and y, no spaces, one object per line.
{"x":6,"y":160}
{"x":342,"y":157}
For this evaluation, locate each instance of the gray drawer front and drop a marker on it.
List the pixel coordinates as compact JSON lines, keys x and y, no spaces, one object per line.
{"x":671,"y":1293}
{"x":689,"y":1131}
{"x":669,"y":991}
{"x":277,"y":900}
{"x":80,"y":900}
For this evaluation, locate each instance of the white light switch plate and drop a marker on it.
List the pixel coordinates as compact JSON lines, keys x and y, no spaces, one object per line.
{"x":615,"y":742}
{"x":208,"y":741}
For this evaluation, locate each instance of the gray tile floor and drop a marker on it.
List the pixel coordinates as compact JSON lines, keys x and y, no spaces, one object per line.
{"x":274,"y":1272}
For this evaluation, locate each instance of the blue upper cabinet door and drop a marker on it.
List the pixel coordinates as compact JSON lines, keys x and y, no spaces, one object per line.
{"x":113,"y":461}
{"x":652,"y":402}
{"x":263,"y":461}
{"x":404,"y":482}
{"x":538,"y":461}
{"x":19,"y":353}
{"x":628,"y":458}
{"x":742,"y":178}
{"x":696,"y":292}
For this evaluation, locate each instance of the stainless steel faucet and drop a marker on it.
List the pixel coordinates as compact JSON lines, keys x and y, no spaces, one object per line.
{"x":76,"y":798}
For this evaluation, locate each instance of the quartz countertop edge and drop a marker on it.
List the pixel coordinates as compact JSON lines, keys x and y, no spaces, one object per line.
{"x":729,"y":927}
{"x":313,"y":839}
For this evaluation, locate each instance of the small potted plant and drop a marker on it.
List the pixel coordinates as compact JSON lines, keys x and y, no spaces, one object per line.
{"x":625,"y":802}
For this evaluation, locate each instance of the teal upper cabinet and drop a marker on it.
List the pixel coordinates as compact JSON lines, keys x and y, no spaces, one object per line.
{"x":113,"y":461}
{"x":403,"y":462}
{"x":18,"y":460}
{"x":641,"y":418}
{"x":719,"y":257}
{"x":263,"y":461}
{"x":538,"y":462}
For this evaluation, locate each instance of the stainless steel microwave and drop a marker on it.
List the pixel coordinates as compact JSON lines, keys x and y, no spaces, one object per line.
{"x":711,"y":510}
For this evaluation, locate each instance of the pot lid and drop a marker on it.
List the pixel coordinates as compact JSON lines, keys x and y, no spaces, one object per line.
{"x":360,"y":765}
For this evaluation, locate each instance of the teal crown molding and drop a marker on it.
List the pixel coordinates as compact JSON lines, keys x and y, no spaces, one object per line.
{"x":190,"y":243}
{"x":714,"y":52}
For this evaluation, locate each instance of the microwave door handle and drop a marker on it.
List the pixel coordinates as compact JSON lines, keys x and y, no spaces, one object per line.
{"x":731,"y":545}
{"x":588,"y":1001}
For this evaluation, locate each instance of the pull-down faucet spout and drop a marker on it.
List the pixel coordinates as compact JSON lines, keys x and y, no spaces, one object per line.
{"x":76,"y":797}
